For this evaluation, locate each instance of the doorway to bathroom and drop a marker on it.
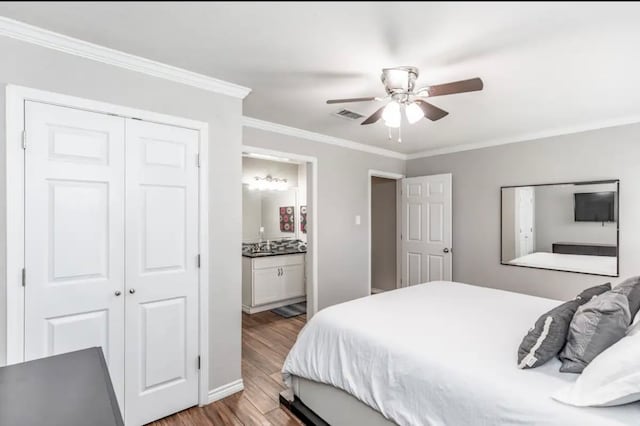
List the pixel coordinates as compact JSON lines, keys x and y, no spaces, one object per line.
{"x":279,"y":244}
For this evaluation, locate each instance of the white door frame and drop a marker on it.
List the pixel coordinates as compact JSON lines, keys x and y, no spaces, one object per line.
{"x":14,"y":250}
{"x":396,"y":177}
{"x":312,"y":249}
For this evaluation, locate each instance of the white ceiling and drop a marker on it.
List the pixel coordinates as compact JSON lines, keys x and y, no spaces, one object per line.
{"x":546,"y":66}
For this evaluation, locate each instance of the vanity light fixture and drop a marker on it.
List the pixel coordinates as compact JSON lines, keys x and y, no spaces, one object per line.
{"x":268,"y":183}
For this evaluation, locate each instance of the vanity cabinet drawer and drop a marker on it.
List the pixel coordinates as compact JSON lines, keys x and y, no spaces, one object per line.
{"x":278,"y":261}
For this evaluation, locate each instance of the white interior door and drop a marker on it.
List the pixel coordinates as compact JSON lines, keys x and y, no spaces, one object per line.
{"x":74,"y":234}
{"x":161,"y":270}
{"x":426,"y":229}
{"x":525,"y":223}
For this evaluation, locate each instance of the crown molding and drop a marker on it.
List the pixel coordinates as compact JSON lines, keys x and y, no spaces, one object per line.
{"x":319,"y":137}
{"x":49,"y":39}
{"x":528,"y":137}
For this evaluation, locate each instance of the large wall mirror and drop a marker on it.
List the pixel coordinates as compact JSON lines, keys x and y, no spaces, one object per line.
{"x":269,"y":215}
{"x":566,"y":227}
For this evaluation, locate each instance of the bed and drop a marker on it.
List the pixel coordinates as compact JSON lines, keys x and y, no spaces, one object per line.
{"x":601,"y":265}
{"x":440,"y":353}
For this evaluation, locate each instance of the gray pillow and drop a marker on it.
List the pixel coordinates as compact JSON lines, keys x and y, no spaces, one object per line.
{"x":549,"y":334}
{"x":597,"y":324}
{"x":590,"y":293}
{"x":631,"y":288}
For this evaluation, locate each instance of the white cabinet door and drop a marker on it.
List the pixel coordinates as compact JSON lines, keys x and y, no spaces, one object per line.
{"x":267,"y":286}
{"x":292,"y":278}
{"x":161,"y":270}
{"x":74,"y":235}
{"x":426,"y":229}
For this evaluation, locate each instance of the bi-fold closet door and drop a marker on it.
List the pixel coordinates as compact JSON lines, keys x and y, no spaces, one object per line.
{"x":111,"y":245}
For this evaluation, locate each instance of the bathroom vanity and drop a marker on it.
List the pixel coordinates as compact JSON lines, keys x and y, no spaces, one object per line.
{"x":271,"y":280}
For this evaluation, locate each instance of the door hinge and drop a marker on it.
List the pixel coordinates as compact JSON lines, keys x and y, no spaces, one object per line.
{"x":198,"y":160}
{"x":198,"y":260}
{"x":198,"y":362}
{"x":24,"y":139}
{"x":400,"y":237}
{"x":24,"y":277}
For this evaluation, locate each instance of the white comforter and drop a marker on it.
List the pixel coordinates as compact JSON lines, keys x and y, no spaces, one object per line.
{"x":441,"y":353}
{"x":603,"y":265}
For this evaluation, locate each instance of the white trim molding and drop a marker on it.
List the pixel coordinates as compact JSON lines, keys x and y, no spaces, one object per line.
{"x":225,"y":390}
{"x":319,"y":137}
{"x":527,"y":137}
{"x":52,"y":40}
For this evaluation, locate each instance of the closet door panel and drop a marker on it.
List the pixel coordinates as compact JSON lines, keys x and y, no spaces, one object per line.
{"x":161,"y":270}
{"x":74,"y":234}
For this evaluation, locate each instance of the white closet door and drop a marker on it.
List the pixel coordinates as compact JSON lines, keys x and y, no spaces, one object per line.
{"x":74,"y":234}
{"x":426,"y":229}
{"x":161,"y":270}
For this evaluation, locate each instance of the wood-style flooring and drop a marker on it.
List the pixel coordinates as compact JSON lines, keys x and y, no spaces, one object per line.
{"x":266,"y":340}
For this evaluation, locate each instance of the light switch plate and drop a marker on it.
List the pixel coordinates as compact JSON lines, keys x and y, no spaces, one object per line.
{"x":358,"y":220}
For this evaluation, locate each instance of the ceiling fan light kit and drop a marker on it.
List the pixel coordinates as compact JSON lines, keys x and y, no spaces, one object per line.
{"x":399,"y":83}
{"x":391,"y":115}
{"x":414,"y":113}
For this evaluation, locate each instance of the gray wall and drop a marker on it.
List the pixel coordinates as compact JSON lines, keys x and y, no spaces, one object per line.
{"x":478,"y":175}
{"x":343,"y":176}
{"x":41,"y":68}
{"x":383,"y":233}
{"x":555,"y":217}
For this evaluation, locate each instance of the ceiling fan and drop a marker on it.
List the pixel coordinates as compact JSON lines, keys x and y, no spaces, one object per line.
{"x":399,"y":83}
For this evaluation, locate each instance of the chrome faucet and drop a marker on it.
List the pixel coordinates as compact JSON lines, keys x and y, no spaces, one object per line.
{"x":261,"y":247}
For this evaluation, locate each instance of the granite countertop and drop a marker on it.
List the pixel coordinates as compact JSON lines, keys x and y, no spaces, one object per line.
{"x":273,"y":253}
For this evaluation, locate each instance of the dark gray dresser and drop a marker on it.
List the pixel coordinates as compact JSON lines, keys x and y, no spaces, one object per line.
{"x":585,"y":249}
{"x":73,"y":389}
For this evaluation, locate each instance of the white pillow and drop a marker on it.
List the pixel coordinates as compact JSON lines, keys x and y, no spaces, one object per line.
{"x":612,"y":378}
{"x":635,"y":326}
{"x":634,"y":323}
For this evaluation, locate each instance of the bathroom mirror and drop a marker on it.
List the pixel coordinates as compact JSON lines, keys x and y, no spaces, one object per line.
{"x":566,"y":227}
{"x":271,"y":215}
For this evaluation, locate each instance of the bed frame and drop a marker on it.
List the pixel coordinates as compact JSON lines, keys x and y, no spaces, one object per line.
{"x":318,"y":404}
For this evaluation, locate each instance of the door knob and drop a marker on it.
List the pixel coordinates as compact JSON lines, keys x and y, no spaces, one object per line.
{"x":132,"y":290}
{"x":446,"y":250}
{"x":117,"y":293}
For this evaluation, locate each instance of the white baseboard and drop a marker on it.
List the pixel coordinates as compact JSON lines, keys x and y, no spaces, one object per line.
{"x":225,"y":390}
{"x":267,"y":307}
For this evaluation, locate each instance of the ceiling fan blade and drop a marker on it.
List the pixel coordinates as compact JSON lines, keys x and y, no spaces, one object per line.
{"x":374,"y":117}
{"x":463,"y":86}
{"x":432,"y":112}
{"x":342,"y":101}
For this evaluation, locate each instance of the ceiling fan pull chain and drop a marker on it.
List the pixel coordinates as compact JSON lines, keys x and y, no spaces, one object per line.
{"x":400,"y":134}
{"x":389,"y":129}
